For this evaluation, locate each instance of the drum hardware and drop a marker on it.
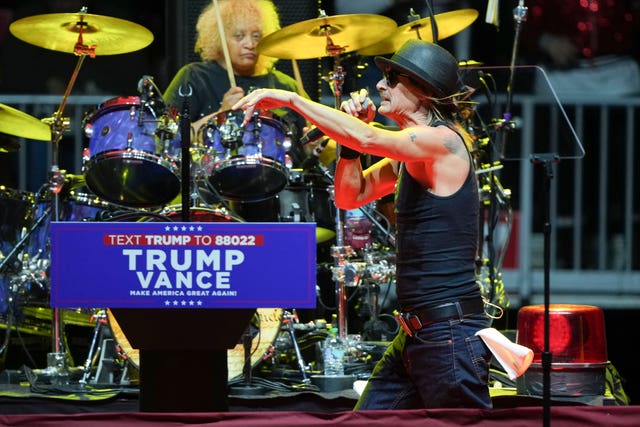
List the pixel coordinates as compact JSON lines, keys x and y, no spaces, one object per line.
{"x":288,"y":319}
{"x":37,"y":266}
{"x":315,"y":38}
{"x":379,"y":326}
{"x":247,"y":388}
{"x":13,"y":288}
{"x":247,"y":163}
{"x":312,"y":39}
{"x":134,"y":151}
{"x":95,"y":347}
{"x":151,"y":97}
{"x":286,"y":353}
{"x":230,"y":131}
{"x":69,"y":33}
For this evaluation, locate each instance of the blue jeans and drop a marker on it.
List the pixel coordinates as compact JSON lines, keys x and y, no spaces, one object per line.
{"x":444,"y":365}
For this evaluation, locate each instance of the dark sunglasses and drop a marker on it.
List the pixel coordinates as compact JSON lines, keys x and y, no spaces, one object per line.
{"x":391,"y":76}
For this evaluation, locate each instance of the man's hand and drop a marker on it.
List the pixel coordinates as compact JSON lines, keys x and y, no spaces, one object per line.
{"x":360,"y":105}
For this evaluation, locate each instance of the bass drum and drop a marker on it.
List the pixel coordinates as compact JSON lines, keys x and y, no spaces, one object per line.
{"x":269,"y":321}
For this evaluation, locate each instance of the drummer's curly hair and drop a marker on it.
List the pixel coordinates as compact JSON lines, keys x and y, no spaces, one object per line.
{"x":233,"y":13}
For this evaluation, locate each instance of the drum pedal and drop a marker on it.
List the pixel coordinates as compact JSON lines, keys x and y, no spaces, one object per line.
{"x":109,"y":370}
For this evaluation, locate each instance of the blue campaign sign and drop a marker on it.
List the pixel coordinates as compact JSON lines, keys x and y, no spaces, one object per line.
{"x":183,"y":264}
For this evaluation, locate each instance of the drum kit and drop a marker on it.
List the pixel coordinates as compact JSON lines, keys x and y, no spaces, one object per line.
{"x":134,"y":165}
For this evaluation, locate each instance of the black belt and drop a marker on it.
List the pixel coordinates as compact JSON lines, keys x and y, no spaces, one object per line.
{"x":414,"y":320}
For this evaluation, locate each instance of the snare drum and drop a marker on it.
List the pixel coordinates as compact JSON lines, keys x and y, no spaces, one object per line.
{"x":133,"y":157}
{"x":248,"y":163}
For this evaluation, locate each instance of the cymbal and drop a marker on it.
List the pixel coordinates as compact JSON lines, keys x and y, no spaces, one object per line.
{"x":308,"y":39}
{"x":448,"y":24}
{"x":102,"y":35}
{"x":15,"y":122}
{"x":469,"y":63}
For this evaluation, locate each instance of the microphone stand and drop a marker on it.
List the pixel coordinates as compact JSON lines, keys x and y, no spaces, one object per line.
{"x":547,"y":160}
{"x":185,"y":145}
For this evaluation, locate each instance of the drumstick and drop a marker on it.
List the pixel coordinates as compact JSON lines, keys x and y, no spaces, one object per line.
{"x":225,"y":48}
{"x":296,"y":73}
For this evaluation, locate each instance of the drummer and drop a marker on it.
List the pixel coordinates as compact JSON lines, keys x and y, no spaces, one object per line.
{"x":245,"y":23}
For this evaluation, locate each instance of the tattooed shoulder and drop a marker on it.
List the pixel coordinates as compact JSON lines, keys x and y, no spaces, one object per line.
{"x":453,"y":143}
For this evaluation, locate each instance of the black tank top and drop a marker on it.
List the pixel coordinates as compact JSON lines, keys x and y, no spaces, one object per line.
{"x":436,"y":242}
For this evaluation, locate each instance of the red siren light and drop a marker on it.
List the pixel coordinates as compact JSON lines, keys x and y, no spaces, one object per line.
{"x":578,"y":347}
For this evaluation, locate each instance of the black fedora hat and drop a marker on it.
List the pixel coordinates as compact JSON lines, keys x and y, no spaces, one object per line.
{"x":426,"y":63}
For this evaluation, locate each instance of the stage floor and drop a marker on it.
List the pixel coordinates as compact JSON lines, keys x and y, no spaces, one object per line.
{"x":39,"y":395}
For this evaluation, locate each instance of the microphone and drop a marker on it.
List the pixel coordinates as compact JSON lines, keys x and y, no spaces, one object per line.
{"x":312,"y":159}
{"x":150,"y":94}
{"x":143,"y":84}
{"x":311,"y":135}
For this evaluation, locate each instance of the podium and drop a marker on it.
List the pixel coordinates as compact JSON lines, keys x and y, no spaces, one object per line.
{"x":183,"y":355}
{"x":183,"y":293}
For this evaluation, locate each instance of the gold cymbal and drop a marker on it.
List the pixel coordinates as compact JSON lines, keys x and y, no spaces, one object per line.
{"x":469,"y":63}
{"x":448,"y":24}
{"x":326,"y":36}
{"x":324,"y":234}
{"x":15,"y":122}
{"x":101,"y":35}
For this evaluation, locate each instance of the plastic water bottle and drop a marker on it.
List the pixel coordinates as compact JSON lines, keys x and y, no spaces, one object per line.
{"x":333,"y":353}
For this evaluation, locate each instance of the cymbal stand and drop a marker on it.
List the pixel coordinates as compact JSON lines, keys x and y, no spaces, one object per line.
{"x":57,"y":360}
{"x":340,"y":252}
{"x":9,"y":260}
